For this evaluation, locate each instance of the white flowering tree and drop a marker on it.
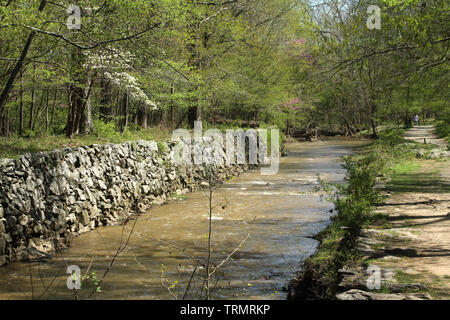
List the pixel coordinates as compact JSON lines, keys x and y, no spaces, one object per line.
{"x":116,"y":70}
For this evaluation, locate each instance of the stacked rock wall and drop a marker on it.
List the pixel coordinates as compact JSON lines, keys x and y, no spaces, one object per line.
{"x":48,"y":197}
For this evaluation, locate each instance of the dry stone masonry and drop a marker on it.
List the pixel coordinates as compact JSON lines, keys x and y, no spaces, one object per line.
{"x":46,"y":198}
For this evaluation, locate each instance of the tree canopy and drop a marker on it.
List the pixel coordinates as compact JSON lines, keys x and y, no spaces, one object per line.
{"x":66,"y":68}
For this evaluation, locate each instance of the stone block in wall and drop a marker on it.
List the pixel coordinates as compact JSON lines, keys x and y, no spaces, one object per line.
{"x":3,"y":260}
{"x":2,"y":246}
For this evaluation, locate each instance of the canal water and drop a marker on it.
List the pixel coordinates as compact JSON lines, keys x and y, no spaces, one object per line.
{"x":267,"y":221}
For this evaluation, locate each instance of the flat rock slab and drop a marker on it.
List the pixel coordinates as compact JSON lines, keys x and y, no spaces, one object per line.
{"x":356,"y":294}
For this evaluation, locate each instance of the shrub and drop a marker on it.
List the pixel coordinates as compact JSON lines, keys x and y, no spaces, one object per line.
{"x":391,"y":137}
{"x":105,"y":130}
{"x":443,"y":129}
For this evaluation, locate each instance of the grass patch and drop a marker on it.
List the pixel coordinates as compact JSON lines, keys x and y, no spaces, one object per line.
{"x":432,"y":282}
{"x":405,"y":167}
{"x":177,"y":196}
{"x":403,"y":277}
{"x":13,"y":146}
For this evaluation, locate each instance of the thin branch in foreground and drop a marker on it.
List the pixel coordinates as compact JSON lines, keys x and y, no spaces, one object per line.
{"x":188,"y":287}
{"x":118,"y":252}
{"x":95,"y":45}
{"x":47,"y":287}
{"x":231,"y":254}
{"x":173,"y":246}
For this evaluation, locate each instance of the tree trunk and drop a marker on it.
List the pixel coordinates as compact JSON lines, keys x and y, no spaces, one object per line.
{"x":373,"y":110}
{"x":53,"y":107}
{"x":124,"y":112}
{"x":172,"y":109}
{"x":142,"y":116}
{"x":33,"y":98}
{"x":19,"y":64}
{"x":88,"y":122}
{"x":374,"y":128}
{"x":21,"y":105}
{"x":46,"y":111}
{"x":86,"y":112}
{"x":75,"y":108}
{"x":105,"y":100}
{"x":408,"y":119}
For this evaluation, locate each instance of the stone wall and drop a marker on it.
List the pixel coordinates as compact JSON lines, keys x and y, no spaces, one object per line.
{"x":46,"y":198}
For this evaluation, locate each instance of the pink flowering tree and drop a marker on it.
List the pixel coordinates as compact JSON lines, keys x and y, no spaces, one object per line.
{"x":290,"y":109}
{"x":297,"y":48}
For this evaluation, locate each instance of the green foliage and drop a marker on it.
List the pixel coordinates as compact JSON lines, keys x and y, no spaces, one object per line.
{"x":14,"y":146}
{"x":443,"y":129}
{"x":354,"y":201}
{"x":91,"y":281}
{"x":177,"y":196}
{"x":105,"y":130}
{"x":404,"y":167}
{"x":391,"y":137}
{"x":284,"y":63}
{"x":162,"y":147}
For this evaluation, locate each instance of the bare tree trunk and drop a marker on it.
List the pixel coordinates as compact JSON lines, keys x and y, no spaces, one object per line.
{"x":75,"y":107}
{"x":79,"y":110}
{"x":7,"y":124}
{"x":408,"y":120}
{"x":4,"y":123}
{"x":21,"y":105}
{"x":142,"y":116}
{"x":124,"y":112}
{"x":372,"y":121}
{"x":86,"y":112}
{"x":46,"y":112}
{"x":77,"y":93}
{"x":33,"y":98}
{"x":105,"y":100}
{"x":172,"y":109}
{"x":194,"y":114}
{"x":70,"y":115}
{"x":53,"y":107}
{"x":88,"y":122}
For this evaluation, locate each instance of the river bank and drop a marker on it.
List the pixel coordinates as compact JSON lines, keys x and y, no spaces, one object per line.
{"x":391,"y":227}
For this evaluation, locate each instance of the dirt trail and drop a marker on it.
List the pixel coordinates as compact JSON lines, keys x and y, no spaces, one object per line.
{"x":411,"y":245}
{"x":419,"y":218}
{"x":418,"y":134}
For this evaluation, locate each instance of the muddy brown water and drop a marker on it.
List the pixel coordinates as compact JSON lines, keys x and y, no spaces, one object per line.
{"x":279,"y":213}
